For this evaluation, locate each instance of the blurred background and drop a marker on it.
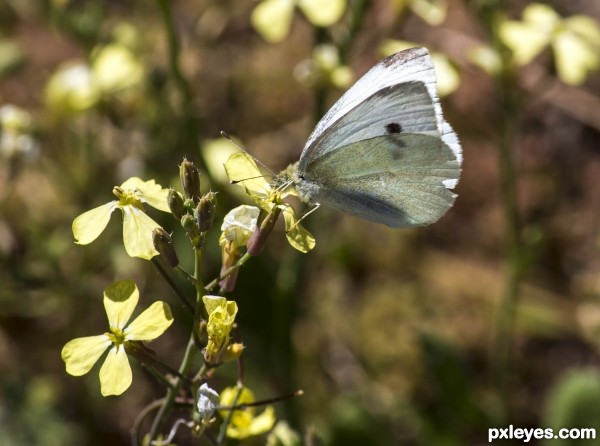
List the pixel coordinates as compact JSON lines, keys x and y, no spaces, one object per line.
{"x":424,"y":336}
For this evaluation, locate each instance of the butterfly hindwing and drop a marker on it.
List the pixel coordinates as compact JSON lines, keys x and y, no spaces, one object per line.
{"x":396,"y":179}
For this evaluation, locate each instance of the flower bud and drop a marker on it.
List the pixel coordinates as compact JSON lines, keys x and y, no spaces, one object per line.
{"x":175,"y":202}
{"x":205,"y":211}
{"x":257,"y":241}
{"x":190,"y":180}
{"x":230,"y":255}
{"x":233,"y":352}
{"x":189,"y":224}
{"x":164,"y":245}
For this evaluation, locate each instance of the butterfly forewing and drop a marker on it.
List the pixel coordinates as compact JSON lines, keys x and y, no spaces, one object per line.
{"x":403,"y":108}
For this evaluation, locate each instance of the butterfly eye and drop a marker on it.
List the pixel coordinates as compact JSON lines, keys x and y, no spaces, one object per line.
{"x":392,"y":128}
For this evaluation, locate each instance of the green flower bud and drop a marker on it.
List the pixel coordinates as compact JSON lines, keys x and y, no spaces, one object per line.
{"x":205,"y":211}
{"x":189,"y":224}
{"x":164,"y":245}
{"x":233,"y":352}
{"x":258,"y":239}
{"x":190,"y":180}
{"x":175,"y":202}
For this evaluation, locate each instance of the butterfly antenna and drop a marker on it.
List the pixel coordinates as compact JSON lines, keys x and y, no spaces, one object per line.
{"x":243,"y":149}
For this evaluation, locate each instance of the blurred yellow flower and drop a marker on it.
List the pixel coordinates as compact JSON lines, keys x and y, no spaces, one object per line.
{"x":116,"y":68}
{"x":324,"y":68}
{"x":245,"y":423}
{"x":434,"y":12}
{"x":137,"y":226}
{"x":120,"y":299}
{"x":575,"y":41}
{"x":78,"y":86}
{"x":71,"y":89}
{"x":272,"y":19}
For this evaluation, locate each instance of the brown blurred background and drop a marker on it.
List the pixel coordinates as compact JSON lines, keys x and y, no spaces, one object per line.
{"x":425,"y":336}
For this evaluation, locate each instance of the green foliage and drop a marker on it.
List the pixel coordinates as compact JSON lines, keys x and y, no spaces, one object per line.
{"x":574,"y":402}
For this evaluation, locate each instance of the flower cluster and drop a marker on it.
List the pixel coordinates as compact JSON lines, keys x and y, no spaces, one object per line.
{"x":243,"y":234}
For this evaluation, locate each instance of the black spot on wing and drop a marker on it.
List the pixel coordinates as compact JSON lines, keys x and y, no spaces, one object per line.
{"x":393,"y":128}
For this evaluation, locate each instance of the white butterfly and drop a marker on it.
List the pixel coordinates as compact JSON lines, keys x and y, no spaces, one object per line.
{"x":384,"y":152}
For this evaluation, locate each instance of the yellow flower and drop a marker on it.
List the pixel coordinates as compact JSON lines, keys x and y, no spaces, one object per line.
{"x":434,"y":12}
{"x":575,"y":41}
{"x":272,"y":19}
{"x":324,"y":69}
{"x":221,"y":316}
{"x":137,"y":226}
{"x":120,"y":299}
{"x":245,"y":423}
{"x":242,"y":169}
{"x":78,"y":86}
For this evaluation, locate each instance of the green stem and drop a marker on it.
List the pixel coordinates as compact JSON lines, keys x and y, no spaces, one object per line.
{"x":213,"y":284}
{"x":190,"y":127}
{"x":510,"y":105}
{"x":167,"y":405}
{"x":137,"y":425}
{"x":186,"y":362}
{"x":174,"y":51}
{"x":172,"y":284}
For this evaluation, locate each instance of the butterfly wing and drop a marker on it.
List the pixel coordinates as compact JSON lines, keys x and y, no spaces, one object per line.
{"x":384,"y":152}
{"x":397,"y":179}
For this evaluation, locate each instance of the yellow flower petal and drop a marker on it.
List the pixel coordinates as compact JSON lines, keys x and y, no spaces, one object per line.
{"x":120,"y":299}
{"x":541,"y":15}
{"x":447,"y":75}
{"x":322,"y":12}
{"x":264,"y":422}
{"x":115,"y":374}
{"x":574,"y":58}
{"x":137,"y":233}
{"x":524,"y":40}
{"x":585,"y":27}
{"x":241,"y":167}
{"x":211,"y":303}
{"x":150,"y":324}
{"x":243,"y":422}
{"x":220,"y":322}
{"x":272,"y":19}
{"x":432,"y":11}
{"x":115,"y":68}
{"x":71,"y":89}
{"x":148,"y":192}
{"x":89,"y":225}
{"x":215,"y":153}
{"x":81,"y":354}
{"x":297,"y":235}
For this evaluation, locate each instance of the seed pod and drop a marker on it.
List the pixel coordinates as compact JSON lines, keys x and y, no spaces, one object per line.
{"x":190,"y":180}
{"x":175,"y":202}
{"x":164,"y":245}
{"x":205,"y":211}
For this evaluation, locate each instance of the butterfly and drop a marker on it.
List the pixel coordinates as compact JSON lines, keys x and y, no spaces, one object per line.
{"x":384,"y":151}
